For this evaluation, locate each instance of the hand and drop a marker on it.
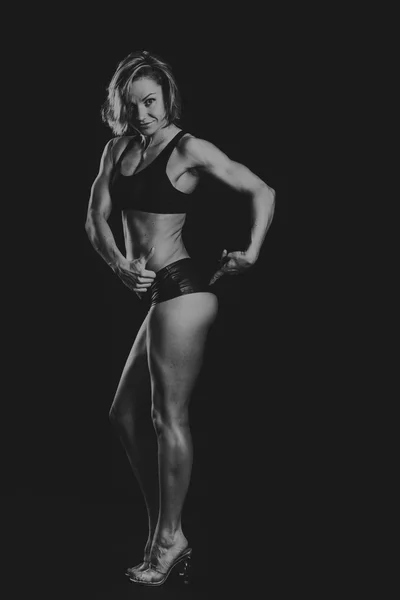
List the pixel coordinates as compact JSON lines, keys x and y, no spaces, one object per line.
{"x":233,"y":263}
{"x":134,"y":275}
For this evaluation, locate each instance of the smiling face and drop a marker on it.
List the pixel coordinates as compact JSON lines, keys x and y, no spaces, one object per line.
{"x":146,"y":103}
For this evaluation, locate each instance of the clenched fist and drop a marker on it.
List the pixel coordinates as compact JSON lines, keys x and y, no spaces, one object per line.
{"x":134,"y":275}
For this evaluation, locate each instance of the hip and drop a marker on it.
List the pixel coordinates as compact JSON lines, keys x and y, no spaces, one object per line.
{"x":178,"y":278}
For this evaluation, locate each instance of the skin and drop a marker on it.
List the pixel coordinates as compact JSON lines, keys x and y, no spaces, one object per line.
{"x":167,"y":355}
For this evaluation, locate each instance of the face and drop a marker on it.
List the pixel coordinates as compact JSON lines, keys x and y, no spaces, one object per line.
{"x":147,"y":105}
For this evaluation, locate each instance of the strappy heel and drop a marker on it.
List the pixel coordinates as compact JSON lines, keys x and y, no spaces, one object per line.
{"x":181,"y":565}
{"x":185,"y":570}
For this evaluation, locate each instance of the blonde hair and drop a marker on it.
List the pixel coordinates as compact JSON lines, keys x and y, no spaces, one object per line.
{"x":116,"y":111}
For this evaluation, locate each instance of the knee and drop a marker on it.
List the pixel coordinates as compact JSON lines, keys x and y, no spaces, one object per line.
{"x":170,"y":422}
{"x":124,"y":406}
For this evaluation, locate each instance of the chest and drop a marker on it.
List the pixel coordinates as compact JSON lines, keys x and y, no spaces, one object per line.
{"x":177,"y":171}
{"x":135,"y":160}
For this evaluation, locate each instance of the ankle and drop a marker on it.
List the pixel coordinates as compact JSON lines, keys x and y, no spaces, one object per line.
{"x":168,"y":537}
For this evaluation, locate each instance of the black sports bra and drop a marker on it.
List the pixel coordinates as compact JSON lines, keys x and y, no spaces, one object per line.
{"x":150,"y":190}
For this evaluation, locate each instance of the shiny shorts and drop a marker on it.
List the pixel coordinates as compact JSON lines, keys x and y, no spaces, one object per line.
{"x":176,"y":279}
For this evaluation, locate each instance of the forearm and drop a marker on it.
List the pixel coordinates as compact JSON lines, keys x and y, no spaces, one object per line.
{"x":102,"y":239}
{"x":263,"y":203}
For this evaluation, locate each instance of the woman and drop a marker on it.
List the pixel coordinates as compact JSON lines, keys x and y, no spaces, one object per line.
{"x":149,"y":172}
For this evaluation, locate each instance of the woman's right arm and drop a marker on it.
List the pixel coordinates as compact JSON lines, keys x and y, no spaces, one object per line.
{"x":99,"y":209}
{"x":133,"y":273}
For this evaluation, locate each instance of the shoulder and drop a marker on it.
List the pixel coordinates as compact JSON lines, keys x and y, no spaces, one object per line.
{"x":117,"y":145}
{"x":111,"y":152}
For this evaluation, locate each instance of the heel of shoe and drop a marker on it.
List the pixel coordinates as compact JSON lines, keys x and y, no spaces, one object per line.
{"x":185,"y":570}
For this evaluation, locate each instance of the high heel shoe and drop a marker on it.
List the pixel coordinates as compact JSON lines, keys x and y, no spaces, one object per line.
{"x":183,"y":561}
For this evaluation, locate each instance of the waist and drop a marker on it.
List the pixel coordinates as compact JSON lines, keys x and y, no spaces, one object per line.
{"x":167,"y":265}
{"x":153,"y":198}
{"x":164,"y":254}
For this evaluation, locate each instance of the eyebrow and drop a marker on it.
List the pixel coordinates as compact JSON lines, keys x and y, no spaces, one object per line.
{"x":148,"y":95}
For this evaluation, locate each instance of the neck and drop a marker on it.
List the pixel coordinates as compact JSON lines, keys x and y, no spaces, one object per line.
{"x":159,"y":136}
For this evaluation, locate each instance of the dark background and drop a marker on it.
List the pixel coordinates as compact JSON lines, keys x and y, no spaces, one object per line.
{"x":73,"y":322}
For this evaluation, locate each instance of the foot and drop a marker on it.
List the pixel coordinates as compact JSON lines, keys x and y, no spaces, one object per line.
{"x":132,"y":571}
{"x":163,"y":553}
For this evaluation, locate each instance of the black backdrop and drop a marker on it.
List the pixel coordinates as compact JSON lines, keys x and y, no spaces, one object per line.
{"x":75,"y":322}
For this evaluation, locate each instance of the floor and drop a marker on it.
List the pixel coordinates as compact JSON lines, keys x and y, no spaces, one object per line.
{"x":69,"y":547}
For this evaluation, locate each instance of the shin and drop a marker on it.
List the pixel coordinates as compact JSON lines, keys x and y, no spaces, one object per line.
{"x":175,"y":456}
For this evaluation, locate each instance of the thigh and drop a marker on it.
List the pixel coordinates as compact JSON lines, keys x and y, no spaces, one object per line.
{"x":176,"y":337}
{"x":135,"y":378}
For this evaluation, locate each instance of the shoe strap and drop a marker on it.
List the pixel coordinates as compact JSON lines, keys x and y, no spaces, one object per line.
{"x":185,"y":554}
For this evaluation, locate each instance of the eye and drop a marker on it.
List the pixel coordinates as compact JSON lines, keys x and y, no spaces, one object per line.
{"x":149,"y":101}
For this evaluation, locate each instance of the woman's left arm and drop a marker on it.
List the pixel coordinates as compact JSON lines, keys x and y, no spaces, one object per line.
{"x":204,"y":156}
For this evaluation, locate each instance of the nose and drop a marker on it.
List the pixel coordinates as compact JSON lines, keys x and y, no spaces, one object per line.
{"x":142,"y":114}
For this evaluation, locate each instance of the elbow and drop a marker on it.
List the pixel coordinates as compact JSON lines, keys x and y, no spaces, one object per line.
{"x":271,"y":194}
{"x":271,"y":200}
{"x":268,"y":193}
{"x":90,"y":224}
{"x":263,"y":189}
{"x":91,"y":218}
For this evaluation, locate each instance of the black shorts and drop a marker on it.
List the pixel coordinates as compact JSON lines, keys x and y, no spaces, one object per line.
{"x":176,"y":279}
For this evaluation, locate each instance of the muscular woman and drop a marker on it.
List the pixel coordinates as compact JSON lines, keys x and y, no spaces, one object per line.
{"x":148,"y":172}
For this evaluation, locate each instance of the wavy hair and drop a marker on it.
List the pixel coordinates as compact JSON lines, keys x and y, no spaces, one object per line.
{"x":115,"y":111}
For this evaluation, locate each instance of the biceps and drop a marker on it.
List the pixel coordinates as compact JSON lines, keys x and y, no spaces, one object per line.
{"x":236,"y":175}
{"x":100,"y":199}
